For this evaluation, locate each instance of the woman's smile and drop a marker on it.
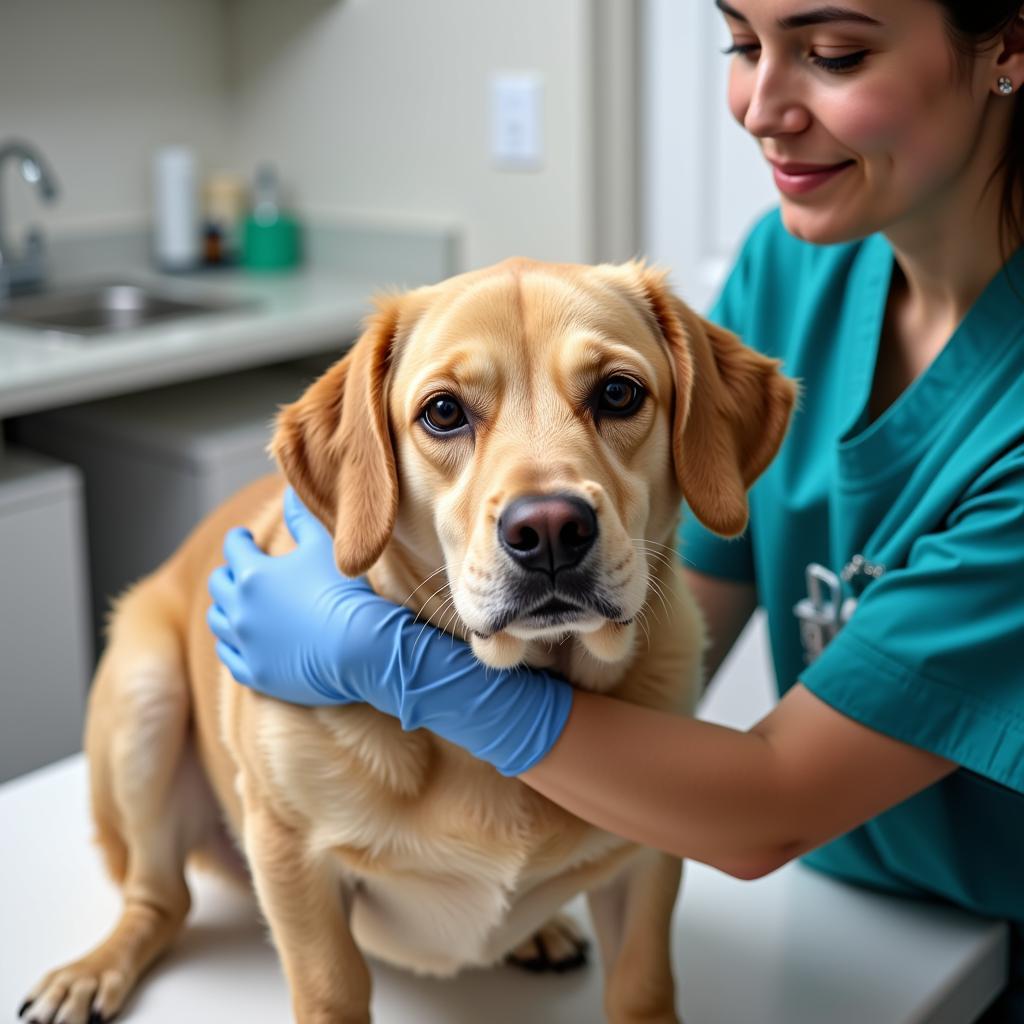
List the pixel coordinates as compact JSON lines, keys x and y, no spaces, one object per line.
{"x":795,"y":179}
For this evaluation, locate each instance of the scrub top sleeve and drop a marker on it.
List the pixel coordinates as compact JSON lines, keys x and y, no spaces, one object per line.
{"x":934,"y":652}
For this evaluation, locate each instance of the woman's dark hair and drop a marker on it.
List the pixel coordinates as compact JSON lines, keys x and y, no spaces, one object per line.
{"x":973,"y":26}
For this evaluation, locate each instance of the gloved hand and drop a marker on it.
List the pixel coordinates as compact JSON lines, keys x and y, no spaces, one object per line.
{"x":293,"y":627}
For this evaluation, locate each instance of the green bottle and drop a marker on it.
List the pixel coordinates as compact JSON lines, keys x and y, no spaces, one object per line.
{"x":270,"y":236}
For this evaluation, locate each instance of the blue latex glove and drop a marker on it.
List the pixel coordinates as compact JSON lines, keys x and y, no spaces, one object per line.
{"x":293,"y":627}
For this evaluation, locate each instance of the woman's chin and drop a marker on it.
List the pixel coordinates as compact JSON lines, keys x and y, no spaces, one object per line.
{"x":821,"y":227}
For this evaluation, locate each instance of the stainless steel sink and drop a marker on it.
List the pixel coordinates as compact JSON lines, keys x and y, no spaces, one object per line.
{"x":102,"y":307}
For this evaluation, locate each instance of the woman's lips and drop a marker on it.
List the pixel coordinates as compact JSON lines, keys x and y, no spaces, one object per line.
{"x":799,"y":179}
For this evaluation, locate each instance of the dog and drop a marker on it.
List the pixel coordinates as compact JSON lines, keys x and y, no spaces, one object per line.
{"x":505,"y":452}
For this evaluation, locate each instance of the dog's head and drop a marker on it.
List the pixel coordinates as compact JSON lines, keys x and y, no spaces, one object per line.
{"x":531,"y":429}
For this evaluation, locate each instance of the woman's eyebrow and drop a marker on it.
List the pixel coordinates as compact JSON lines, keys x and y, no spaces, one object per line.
{"x":819,"y":16}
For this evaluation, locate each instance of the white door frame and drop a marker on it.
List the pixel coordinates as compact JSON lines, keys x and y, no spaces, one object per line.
{"x":703,"y":183}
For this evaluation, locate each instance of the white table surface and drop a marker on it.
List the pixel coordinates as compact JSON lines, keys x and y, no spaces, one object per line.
{"x":792,"y":948}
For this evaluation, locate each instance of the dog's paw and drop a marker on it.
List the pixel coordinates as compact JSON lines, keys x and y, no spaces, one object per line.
{"x":559,"y":946}
{"x":75,"y":994}
{"x":499,"y":650}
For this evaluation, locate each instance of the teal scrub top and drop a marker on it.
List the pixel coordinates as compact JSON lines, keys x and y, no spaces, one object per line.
{"x":931,"y":497}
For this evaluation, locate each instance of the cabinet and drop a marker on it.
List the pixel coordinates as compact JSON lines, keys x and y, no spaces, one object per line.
{"x":155,"y":462}
{"x":45,"y":655}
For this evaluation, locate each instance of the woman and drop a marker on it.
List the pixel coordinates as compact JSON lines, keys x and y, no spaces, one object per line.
{"x":892,"y":282}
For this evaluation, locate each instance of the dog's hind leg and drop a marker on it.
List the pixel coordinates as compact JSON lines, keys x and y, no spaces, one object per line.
{"x":151,"y":804}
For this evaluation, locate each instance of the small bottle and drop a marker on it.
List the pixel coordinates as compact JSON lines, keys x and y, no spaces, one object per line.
{"x":176,"y":209}
{"x":213,"y":245}
{"x":271,"y":235}
{"x":224,"y":202}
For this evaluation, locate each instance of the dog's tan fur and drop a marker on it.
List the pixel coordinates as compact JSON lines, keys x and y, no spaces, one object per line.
{"x":359,"y":837}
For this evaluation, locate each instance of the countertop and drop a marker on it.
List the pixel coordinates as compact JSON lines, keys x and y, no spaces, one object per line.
{"x":792,"y":948}
{"x":287,"y":315}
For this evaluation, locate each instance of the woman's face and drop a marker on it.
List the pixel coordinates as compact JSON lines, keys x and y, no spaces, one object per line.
{"x":859,"y":107}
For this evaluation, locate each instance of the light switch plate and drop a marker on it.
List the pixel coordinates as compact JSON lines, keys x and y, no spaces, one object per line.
{"x":517,"y":129}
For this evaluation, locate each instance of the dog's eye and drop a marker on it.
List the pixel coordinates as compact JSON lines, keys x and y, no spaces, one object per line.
{"x":443,"y":414}
{"x":619,"y":396}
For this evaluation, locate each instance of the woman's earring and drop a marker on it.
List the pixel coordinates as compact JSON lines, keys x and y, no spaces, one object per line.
{"x":1005,"y":85}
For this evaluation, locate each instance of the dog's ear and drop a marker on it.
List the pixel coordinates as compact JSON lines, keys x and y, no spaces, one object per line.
{"x":732,"y":409}
{"x":334,"y":444}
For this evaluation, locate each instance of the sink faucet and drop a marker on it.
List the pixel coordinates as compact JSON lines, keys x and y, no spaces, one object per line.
{"x":30,"y":268}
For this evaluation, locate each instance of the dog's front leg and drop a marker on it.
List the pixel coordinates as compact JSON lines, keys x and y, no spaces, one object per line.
{"x":632,"y":917}
{"x":301,"y":899}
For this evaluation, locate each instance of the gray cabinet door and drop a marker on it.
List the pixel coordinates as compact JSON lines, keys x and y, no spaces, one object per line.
{"x":44,"y":636}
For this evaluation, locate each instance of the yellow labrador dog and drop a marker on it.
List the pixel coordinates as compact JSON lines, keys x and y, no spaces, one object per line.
{"x":581,"y":401}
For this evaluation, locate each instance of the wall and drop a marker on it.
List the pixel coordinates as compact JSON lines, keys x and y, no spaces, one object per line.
{"x":370,"y":108}
{"x":98,"y":85}
{"x":381,"y":106}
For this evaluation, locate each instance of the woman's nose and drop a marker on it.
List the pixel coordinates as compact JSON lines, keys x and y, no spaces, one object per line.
{"x":775,"y":106}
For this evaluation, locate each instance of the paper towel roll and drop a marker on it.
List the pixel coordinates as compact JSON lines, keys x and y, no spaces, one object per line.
{"x":176,"y":209}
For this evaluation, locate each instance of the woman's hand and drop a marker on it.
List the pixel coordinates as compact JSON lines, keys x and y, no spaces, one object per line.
{"x":278,"y":621}
{"x":292,"y":627}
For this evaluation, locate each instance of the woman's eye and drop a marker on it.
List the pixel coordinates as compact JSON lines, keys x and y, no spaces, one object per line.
{"x":846,"y":62}
{"x":748,"y":50}
{"x":443,"y":414}
{"x":620,"y":396}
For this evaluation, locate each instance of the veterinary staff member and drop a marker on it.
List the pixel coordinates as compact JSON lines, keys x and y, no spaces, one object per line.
{"x":891,"y":282}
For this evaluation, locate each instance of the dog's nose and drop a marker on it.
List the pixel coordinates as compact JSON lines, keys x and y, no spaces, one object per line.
{"x":547,"y":532}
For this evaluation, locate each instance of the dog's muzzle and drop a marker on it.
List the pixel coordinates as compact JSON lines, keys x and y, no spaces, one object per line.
{"x":548,"y":538}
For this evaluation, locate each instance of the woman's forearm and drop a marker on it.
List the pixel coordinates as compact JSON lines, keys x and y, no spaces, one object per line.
{"x":699,"y":790}
{"x":744,"y":802}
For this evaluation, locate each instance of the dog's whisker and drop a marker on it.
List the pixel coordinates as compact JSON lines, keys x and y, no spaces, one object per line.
{"x":675,"y":553}
{"x":450,"y":621}
{"x":654,"y":543}
{"x":660,"y":559}
{"x":658,"y":556}
{"x":426,"y":622}
{"x":416,"y":642}
{"x":651,"y":552}
{"x":409,"y":597}
{"x":660,"y":594}
{"x":434,"y":594}
{"x":641,"y":620}
{"x":445,"y":621}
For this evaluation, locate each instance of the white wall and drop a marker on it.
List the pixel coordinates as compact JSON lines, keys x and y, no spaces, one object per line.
{"x":382,"y":106}
{"x":368,"y":107}
{"x":98,"y":85}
